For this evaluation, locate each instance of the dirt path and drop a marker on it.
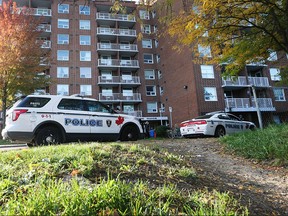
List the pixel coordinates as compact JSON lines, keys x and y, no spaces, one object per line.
{"x":264,"y":189}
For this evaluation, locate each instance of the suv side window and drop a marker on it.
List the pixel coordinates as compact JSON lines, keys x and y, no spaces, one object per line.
{"x":35,"y":102}
{"x":95,"y":106}
{"x":71,"y":104}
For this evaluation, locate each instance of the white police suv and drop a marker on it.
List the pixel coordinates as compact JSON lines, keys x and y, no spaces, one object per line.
{"x":214,"y":124}
{"x":49,"y":119}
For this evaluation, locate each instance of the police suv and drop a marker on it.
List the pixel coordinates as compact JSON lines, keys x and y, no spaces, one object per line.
{"x":214,"y":124}
{"x":50,"y":119}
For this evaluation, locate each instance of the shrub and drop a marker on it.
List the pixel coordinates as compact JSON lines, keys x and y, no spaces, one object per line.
{"x":161,"y":131}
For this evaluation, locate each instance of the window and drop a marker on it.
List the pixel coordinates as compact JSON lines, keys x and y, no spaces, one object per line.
{"x":148,"y":58}
{"x":85,"y":72}
{"x":85,"y":55}
{"x":35,"y":102}
{"x":63,"y":23}
{"x":85,"y":89}
{"x":62,"y":55}
{"x":63,"y":8}
{"x":154,"y":14}
{"x":106,"y":75}
{"x":207,"y":71}
{"x":107,"y":92}
{"x":155,"y":29}
{"x":210,"y":94}
{"x":146,"y":29}
{"x":84,"y":9}
{"x":62,"y":89}
{"x":127,"y":92}
{"x":272,"y":56}
{"x":161,"y":90}
{"x":204,"y":51}
{"x":63,"y":38}
{"x":85,"y":40}
{"x":279,"y":94}
{"x":152,"y":107}
{"x":151,"y":90}
{"x":62,"y":72}
{"x":128,"y":109}
{"x":275,"y":74}
{"x":159,"y":74}
{"x":156,"y":43}
{"x":158,"y":58}
{"x":146,"y":43}
{"x":149,"y":74}
{"x":71,"y":104}
{"x":84,"y":24}
{"x":144,"y":14}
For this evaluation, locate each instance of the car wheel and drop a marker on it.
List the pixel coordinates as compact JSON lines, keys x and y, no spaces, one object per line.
{"x":220,"y":131}
{"x":129,"y":133}
{"x":48,"y":136}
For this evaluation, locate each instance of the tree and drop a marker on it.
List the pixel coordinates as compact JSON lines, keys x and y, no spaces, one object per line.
{"x":20,"y":53}
{"x":238,"y":32}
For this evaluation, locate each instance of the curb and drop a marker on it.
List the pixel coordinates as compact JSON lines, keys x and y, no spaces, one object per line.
{"x":13,"y":145}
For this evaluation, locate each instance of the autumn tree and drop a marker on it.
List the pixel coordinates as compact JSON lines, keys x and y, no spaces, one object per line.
{"x":238,"y":32}
{"x":20,"y":53}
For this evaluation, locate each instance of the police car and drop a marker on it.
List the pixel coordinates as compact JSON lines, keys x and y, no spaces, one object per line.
{"x":214,"y":124}
{"x":49,"y":119}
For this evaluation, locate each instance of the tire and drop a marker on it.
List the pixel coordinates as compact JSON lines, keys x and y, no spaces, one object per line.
{"x":220,"y":131}
{"x":48,"y":136}
{"x":129,"y":133}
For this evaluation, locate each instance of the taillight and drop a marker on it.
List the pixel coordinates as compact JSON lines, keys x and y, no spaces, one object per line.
{"x":17,"y":113}
{"x":195,"y":122}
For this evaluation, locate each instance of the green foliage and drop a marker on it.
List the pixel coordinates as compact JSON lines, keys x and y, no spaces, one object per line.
{"x":269,"y":144}
{"x":103,"y":179}
{"x":161,"y":131}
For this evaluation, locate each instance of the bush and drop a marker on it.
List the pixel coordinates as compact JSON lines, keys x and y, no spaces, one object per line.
{"x":161,"y":131}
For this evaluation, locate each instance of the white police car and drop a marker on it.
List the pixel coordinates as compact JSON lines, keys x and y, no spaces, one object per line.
{"x":49,"y":119}
{"x":214,"y":124}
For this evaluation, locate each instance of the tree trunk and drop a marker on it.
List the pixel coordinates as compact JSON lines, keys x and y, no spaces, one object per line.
{"x":4,"y":103}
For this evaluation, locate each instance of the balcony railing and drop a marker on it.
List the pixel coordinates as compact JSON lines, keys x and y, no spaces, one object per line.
{"x":134,"y":113}
{"x":116,"y":32}
{"x":44,"y":27}
{"x":247,"y":104}
{"x":243,"y":81}
{"x":116,"y":17}
{"x":118,"y":80}
{"x":40,"y":11}
{"x":117,"y":47}
{"x":46,"y":44}
{"x":135,"y":97}
{"x":118,"y":63}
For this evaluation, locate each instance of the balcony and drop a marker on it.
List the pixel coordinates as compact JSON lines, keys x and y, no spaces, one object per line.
{"x":115,"y":17}
{"x":126,"y":34}
{"x":117,"y":80}
{"x":46,"y":44}
{"x":41,"y":12}
{"x":134,"y":113}
{"x":242,"y":81}
{"x":44,"y":27}
{"x":248,"y":105}
{"x":117,"y":47}
{"x":112,"y":63}
{"x":119,"y":97}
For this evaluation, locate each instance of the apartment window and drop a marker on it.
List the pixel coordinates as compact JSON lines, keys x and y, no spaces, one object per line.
{"x":161,"y":90}
{"x":148,"y":58}
{"x":145,"y":28}
{"x":63,"y":39}
{"x":63,"y":55}
{"x":210,"y":94}
{"x":84,"y":9}
{"x":272,"y":56}
{"x":62,"y":72}
{"x":155,"y":28}
{"x":107,"y":92}
{"x":146,"y":43}
{"x":84,"y":24}
{"x":149,"y":74}
{"x":62,"y":89}
{"x":127,"y":92}
{"x":85,"y":40}
{"x":85,"y":89}
{"x":204,"y":51}
{"x":63,"y":23}
{"x":279,"y":94}
{"x":152,"y":107}
{"x":144,"y":14}
{"x":275,"y":74}
{"x":63,"y":8}
{"x":128,"y":108}
{"x":85,"y":55}
{"x":85,"y":72}
{"x":158,"y":58}
{"x":151,"y":90}
{"x":154,"y":14}
{"x":159,"y":74}
{"x":207,"y":71}
{"x":156,"y":43}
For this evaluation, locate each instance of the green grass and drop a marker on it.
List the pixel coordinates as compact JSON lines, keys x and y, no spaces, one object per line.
{"x":269,"y":144}
{"x":104,"y":179}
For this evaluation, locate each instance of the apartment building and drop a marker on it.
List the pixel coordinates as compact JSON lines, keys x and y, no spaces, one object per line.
{"x":118,"y":59}
{"x":97,"y":53}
